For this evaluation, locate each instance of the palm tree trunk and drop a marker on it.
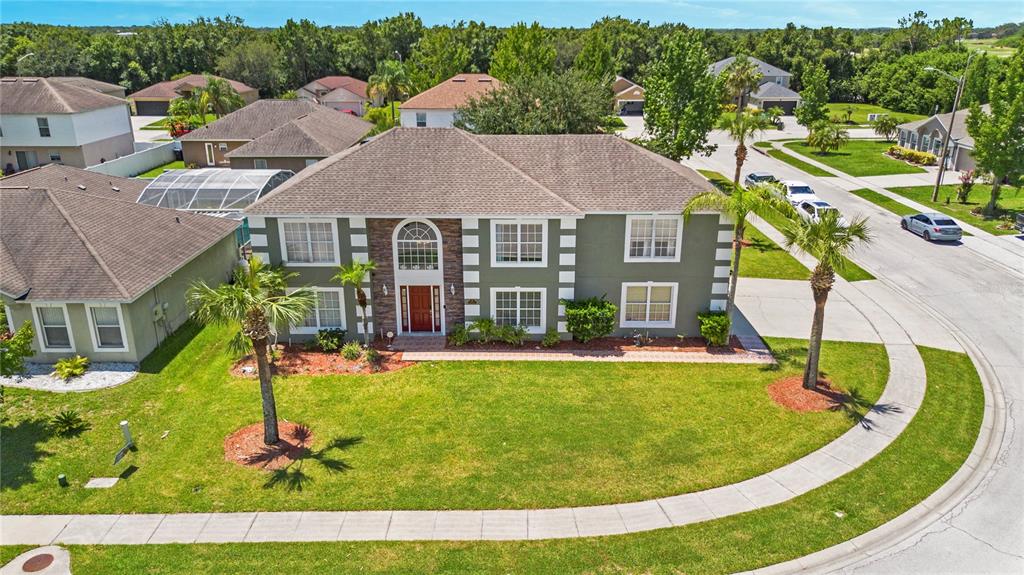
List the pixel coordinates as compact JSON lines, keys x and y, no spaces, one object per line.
{"x":993,"y":201}
{"x":814,"y":348}
{"x":734,"y":274}
{"x":270,"y":434}
{"x":366,"y":329}
{"x":741,"y":156}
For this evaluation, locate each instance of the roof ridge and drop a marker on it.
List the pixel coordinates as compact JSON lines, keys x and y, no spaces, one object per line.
{"x":503,"y":160}
{"x":87,"y":244}
{"x":57,"y":95}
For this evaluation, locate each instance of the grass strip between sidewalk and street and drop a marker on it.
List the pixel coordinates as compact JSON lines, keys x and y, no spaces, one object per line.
{"x":800,"y":164}
{"x":884,"y":202}
{"x":927,"y":453}
{"x":1011,"y":203}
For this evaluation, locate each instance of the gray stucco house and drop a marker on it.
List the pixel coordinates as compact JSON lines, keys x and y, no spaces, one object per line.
{"x":928,"y":134}
{"x":97,"y":274}
{"x":465,"y":226}
{"x":774,"y":90}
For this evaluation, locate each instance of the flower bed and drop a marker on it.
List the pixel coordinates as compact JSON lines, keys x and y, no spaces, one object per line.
{"x":297,"y":360}
{"x":613,"y":344}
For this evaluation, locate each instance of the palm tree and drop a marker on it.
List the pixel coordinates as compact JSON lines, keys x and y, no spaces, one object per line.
{"x":253,"y":302}
{"x":827,"y":137}
{"x":354,"y":275}
{"x":223,"y":99}
{"x":389,"y":82}
{"x":761,"y":198}
{"x":741,"y":77}
{"x":741,"y":128}
{"x":830,"y":241}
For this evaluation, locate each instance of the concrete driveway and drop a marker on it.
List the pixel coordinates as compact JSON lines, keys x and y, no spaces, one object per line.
{"x":147,"y":135}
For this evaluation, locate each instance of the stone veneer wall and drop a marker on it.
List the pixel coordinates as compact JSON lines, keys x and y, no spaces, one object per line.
{"x":451,"y":251}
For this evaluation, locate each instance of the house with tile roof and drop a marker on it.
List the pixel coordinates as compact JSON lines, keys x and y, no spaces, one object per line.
{"x":156,"y":99}
{"x":97,"y":274}
{"x":274,"y":134}
{"x":927,"y":135}
{"x":465,"y":226}
{"x":435,"y":107}
{"x":338,"y":93}
{"x":47,"y":120}
{"x":774,"y":91}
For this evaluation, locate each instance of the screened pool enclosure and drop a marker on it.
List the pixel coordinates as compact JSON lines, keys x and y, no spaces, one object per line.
{"x":214,"y":191}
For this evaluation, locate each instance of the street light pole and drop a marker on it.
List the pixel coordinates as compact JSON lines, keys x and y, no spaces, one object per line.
{"x":952,"y":118}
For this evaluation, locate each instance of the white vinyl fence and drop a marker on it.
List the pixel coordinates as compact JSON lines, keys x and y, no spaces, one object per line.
{"x":137,"y":163}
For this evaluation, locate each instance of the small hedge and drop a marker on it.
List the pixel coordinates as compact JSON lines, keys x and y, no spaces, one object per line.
{"x":590,"y":318}
{"x":912,"y":156}
{"x":714,"y":327}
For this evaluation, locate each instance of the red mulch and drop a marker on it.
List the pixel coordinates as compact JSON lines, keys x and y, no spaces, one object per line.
{"x":789,"y":392}
{"x":615,"y":344}
{"x":297,"y":360}
{"x":246,"y":447}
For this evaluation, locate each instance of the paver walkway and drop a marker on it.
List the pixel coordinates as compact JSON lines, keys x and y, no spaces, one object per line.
{"x":899,"y":402}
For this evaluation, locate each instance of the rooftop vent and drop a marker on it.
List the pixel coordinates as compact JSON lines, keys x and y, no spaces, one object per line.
{"x":81,"y":187}
{"x":459,"y":79}
{"x":115,"y":188}
{"x":488,"y":80}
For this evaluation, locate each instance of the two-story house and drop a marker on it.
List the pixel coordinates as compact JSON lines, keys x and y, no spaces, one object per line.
{"x":465,"y":226}
{"x":338,"y":93}
{"x":774,"y":90}
{"x":435,"y":108}
{"x":45,"y":120}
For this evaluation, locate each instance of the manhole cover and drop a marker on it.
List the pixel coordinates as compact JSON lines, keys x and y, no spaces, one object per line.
{"x":37,"y":563}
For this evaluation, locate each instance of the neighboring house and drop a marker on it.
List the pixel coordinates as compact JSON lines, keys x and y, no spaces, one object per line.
{"x":774,"y":90}
{"x":46,"y":121}
{"x":156,"y":99}
{"x":76,"y":179}
{"x":98,"y":86}
{"x":463,"y":227}
{"x":927,"y":135}
{"x":337,"y":92}
{"x":277,"y":134}
{"x":102,"y":277}
{"x":221,"y":192}
{"x":435,"y":108}
{"x":629,"y":96}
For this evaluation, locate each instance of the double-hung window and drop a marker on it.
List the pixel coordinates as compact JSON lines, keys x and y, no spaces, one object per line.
{"x":259,"y":163}
{"x":107,"y":327}
{"x":518,"y":243}
{"x":653,"y":238}
{"x":54,"y":330}
{"x":421,"y":119}
{"x":328,"y":313}
{"x":44,"y":127}
{"x":519,"y":306}
{"x":650,"y":304}
{"x":309,"y":242}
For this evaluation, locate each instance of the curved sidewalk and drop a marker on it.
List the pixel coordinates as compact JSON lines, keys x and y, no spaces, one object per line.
{"x":899,"y":402}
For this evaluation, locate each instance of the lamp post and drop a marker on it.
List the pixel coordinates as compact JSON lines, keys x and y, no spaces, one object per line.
{"x":23,"y":56}
{"x":960,"y":81}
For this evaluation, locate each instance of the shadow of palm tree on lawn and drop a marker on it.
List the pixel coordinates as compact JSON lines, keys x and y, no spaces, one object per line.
{"x":857,"y":409}
{"x":293,"y":476}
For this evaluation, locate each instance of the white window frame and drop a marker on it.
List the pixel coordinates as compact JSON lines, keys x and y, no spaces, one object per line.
{"x":55,"y":156}
{"x":210,"y":159}
{"x":40,"y":332}
{"x":94,"y":333}
{"x":543,"y":263}
{"x":543,"y":305}
{"x":311,"y":161}
{"x":10,"y":319}
{"x":223,"y":146}
{"x":630,"y":218}
{"x":649,"y":324}
{"x":424,"y":116}
{"x":309,"y":330}
{"x":256,"y":163}
{"x":284,"y":247}
{"x":43,"y":122}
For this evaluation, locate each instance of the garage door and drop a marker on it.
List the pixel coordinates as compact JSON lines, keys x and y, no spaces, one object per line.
{"x":787,"y":106}
{"x":151,"y":108}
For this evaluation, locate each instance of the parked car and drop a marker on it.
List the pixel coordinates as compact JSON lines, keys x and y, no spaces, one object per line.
{"x":814,"y":209}
{"x":933,"y":227}
{"x":796,"y":191}
{"x":754,"y":178}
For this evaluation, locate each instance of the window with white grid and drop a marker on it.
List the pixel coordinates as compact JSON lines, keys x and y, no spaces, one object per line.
{"x":310,"y":242}
{"x":327,"y":313}
{"x":518,"y":243}
{"x":519,"y":306}
{"x":417,"y":247}
{"x":653,"y":238}
{"x":648,"y":304}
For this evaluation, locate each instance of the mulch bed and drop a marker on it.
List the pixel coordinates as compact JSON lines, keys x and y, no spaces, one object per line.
{"x":297,"y":360}
{"x":789,"y":392}
{"x":245,"y":446}
{"x":613,"y":344}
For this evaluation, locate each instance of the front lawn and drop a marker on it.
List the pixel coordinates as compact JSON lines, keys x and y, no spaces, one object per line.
{"x":1011,"y":200}
{"x":799,"y":164}
{"x":850,"y":271}
{"x":175,"y":165}
{"x":459,"y":435}
{"x":858,"y":158}
{"x":861,"y":111}
{"x":919,"y":461}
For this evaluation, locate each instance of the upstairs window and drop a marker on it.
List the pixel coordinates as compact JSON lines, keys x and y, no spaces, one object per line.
{"x":44,"y":127}
{"x":421,"y":119}
{"x":653,"y":238}
{"x":518,"y":243}
{"x":259,"y":164}
{"x":309,"y":242}
{"x":417,"y":247}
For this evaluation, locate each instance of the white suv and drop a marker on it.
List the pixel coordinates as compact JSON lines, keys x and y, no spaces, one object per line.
{"x":796,"y":191}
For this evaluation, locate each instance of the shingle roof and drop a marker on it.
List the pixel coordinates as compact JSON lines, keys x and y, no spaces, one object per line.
{"x":254,"y":120}
{"x":24,"y":95}
{"x":765,"y":68}
{"x":452,"y":93}
{"x":62,"y":245}
{"x":83,"y":82}
{"x":449,"y":172}
{"x":170,"y":89}
{"x":354,"y":85}
{"x":316,"y":135}
{"x":959,"y":131}
{"x":70,"y":178}
{"x":771,"y":90}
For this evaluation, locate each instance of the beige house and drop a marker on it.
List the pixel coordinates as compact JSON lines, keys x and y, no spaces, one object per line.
{"x":156,"y":99}
{"x":47,"y":120}
{"x":435,"y":108}
{"x":338,"y":93}
{"x":629,"y":96}
{"x":275,"y":134}
{"x":927,"y":135}
{"x":774,"y":91}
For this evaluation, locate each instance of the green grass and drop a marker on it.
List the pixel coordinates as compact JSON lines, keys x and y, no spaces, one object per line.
{"x":884,"y":202}
{"x":988,"y":45}
{"x":858,"y":158}
{"x":163,"y":124}
{"x":1011,"y":201}
{"x":861,"y":111}
{"x":918,"y":462}
{"x":763,"y":145}
{"x":850,"y":271}
{"x":800,"y":164}
{"x":175,"y":165}
{"x":466,"y":435}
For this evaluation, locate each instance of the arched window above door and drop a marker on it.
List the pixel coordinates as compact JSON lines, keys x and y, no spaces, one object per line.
{"x":417,"y":247}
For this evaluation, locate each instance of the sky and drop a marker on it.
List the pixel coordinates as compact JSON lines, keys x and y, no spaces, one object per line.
{"x":576,"y":13}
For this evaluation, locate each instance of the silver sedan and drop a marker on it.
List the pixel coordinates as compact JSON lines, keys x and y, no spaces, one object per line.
{"x":933,"y":227}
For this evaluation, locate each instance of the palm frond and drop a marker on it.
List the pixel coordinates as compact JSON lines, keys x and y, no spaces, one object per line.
{"x":714,"y":201}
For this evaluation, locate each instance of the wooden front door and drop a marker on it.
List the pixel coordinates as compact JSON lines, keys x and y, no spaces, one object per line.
{"x":420,"y":316}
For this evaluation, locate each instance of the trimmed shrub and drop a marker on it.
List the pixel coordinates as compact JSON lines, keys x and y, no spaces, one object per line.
{"x":551,"y":338}
{"x":352,"y":351}
{"x":714,"y":327}
{"x":486,"y":328}
{"x":70,"y":367}
{"x":330,"y":339}
{"x":512,"y":334}
{"x":590,"y":318}
{"x":458,"y":335}
{"x":912,"y":156}
{"x":15,"y":348}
